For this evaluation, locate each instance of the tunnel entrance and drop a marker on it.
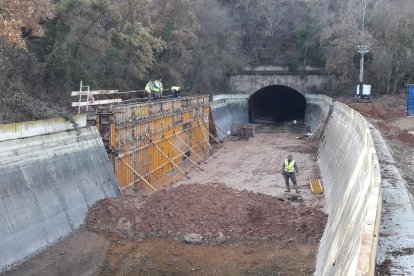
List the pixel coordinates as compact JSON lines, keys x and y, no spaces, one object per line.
{"x":276,"y":103}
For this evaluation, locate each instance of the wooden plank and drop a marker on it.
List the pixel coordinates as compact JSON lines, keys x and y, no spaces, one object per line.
{"x":98,"y":102}
{"x":316,"y":186}
{"x":94,"y":92}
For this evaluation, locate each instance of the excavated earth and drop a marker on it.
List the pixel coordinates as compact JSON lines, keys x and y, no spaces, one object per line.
{"x":214,"y":211}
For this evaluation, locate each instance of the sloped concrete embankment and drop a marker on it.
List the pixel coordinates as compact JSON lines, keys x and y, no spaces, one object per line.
{"x":228,"y":110}
{"x":351,"y":177}
{"x":317,"y":108}
{"x":50,"y":174}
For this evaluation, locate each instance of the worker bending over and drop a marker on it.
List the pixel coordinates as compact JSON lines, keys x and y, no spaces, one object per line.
{"x":176,"y":91}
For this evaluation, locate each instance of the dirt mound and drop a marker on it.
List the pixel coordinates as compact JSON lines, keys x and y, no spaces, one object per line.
{"x":406,"y":137}
{"x":207,"y":210}
{"x":386,"y":108}
{"x":388,"y":115}
{"x":388,"y":127}
{"x":378,"y":111}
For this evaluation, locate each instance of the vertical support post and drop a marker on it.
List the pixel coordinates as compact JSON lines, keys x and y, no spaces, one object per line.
{"x":362,"y":50}
{"x":80,"y":97}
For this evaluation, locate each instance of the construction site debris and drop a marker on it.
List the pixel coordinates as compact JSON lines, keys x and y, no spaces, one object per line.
{"x":215,"y":212}
{"x":384,"y":268}
{"x":193,"y":238}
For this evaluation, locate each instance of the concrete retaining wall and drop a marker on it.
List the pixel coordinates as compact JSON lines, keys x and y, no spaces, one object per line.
{"x":228,"y":110}
{"x":351,"y":178}
{"x":50,"y":174}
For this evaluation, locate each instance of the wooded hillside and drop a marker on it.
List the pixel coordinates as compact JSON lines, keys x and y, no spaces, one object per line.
{"x":47,"y":47}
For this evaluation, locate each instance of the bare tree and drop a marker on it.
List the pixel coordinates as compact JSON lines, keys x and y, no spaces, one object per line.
{"x":393,"y":30}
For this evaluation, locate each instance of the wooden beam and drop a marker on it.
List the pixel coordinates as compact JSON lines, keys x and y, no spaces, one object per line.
{"x":94,"y":92}
{"x":97,"y":102}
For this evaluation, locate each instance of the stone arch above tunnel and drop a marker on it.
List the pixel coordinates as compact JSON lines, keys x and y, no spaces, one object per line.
{"x":276,"y":103}
{"x":250,"y":83}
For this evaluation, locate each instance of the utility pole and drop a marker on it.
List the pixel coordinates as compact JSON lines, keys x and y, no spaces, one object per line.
{"x":362,"y":50}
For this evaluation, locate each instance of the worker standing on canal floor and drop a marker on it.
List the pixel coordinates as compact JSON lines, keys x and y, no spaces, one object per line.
{"x":289,"y":170}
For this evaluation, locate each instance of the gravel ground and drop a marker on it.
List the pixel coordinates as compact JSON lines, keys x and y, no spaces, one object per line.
{"x":255,"y":165}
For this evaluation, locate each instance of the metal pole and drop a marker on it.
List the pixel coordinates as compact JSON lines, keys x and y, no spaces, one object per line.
{"x":195,"y":139}
{"x":361,"y":74}
{"x":146,"y":182}
{"x":198,"y":142}
{"x":219,"y":128}
{"x":204,"y":135}
{"x":212,"y":135}
{"x":169,"y":159}
{"x":87,"y":100}
{"x":361,"y":68}
{"x":193,"y":151}
{"x":362,"y":50}
{"x":183,"y":153}
{"x":80,"y":97}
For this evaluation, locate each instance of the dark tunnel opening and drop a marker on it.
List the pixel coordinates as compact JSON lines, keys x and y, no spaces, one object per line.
{"x":276,"y":103}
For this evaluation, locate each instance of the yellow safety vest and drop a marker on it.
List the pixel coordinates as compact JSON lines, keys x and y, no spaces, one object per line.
{"x":157,"y":86}
{"x":149,"y":87}
{"x":289,"y":167}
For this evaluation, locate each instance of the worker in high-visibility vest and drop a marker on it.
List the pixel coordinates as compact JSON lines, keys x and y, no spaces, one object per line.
{"x":157,"y":88}
{"x":289,"y":170}
{"x":149,"y":88}
{"x":176,"y":91}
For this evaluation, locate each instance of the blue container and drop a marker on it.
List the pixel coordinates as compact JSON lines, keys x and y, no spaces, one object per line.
{"x":410,"y":100}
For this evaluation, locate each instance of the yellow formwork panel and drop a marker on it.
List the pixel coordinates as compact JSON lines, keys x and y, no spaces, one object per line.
{"x":177,"y":104}
{"x":154,"y":108}
{"x":141,"y":110}
{"x":136,"y":128}
{"x":316,"y":186}
{"x":186,"y":116}
{"x":167,"y":106}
